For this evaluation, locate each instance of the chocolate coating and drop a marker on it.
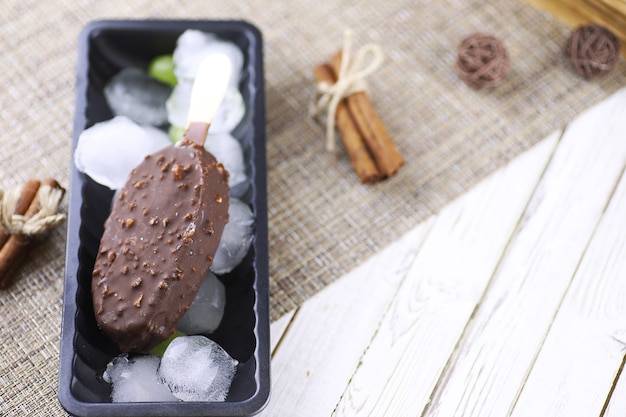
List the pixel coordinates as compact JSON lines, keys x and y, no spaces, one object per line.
{"x":158,"y":243}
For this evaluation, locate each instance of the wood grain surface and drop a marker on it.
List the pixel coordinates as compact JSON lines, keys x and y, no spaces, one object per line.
{"x":509,"y":302}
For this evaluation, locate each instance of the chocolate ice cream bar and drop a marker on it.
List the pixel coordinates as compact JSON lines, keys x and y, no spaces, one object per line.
{"x":164,"y":228}
{"x":158,"y":244}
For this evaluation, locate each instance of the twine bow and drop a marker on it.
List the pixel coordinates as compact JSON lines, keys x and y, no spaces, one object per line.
{"x":351,"y":79}
{"x":42,"y":221}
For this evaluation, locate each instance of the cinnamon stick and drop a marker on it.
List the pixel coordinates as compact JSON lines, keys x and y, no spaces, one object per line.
{"x":387,"y":158}
{"x":17,"y":246}
{"x":358,"y":153}
{"x":29,"y":191}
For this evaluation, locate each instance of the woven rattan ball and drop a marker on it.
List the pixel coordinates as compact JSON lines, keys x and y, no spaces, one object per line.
{"x":593,"y":50}
{"x":482,"y":61}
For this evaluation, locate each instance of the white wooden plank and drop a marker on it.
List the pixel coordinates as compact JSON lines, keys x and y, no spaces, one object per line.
{"x":279,"y":327}
{"x":584,"y":350}
{"x":321,"y":347}
{"x":498,"y":350}
{"x":401,"y":366}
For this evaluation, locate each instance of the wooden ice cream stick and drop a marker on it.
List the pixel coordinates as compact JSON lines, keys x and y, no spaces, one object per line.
{"x":208,"y":91}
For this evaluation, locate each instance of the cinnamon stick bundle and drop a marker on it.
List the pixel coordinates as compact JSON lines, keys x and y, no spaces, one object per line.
{"x":358,"y":153}
{"x":379,"y":143}
{"x":15,"y":246}
{"x":29,"y":191}
{"x":367,"y":143}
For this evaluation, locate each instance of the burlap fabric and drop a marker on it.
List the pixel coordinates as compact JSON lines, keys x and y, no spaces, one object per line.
{"x":322,"y":222}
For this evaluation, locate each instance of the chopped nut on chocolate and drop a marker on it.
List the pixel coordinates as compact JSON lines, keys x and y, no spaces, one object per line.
{"x":177,"y":171}
{"x":137,"y":303}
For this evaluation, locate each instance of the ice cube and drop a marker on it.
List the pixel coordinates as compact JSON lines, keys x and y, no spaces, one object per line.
{"x":207,"y":309}
{"x":136,"y":95}
{"x":108,"y":151}
{"x":197,"y":369}
{"x":228,"y":114}
{"x":236,"y":238}
{"x":229,"y":152}
{"x":194,"y":45}
{"x":136,"y":380}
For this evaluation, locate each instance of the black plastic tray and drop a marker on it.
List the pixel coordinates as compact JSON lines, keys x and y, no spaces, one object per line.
{"x":104,"y":48}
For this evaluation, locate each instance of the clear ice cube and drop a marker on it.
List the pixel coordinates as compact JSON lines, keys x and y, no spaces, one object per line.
{"x":197,"y":369}
{"x":108,"y":151}
{"x":207,"y":309}
{"x":135,"y":379}
{"x":194,"y":45}
{"x":136,"y":95}
{"x":236,"y":238}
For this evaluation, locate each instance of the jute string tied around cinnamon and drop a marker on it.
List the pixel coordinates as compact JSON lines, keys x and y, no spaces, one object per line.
{"x":42,"y":221}
{"x":351,"y":79}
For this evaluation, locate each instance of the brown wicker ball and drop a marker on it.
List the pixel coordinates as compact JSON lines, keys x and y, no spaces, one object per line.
{"x":593,"y":50}
{"x":482,"y":61}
